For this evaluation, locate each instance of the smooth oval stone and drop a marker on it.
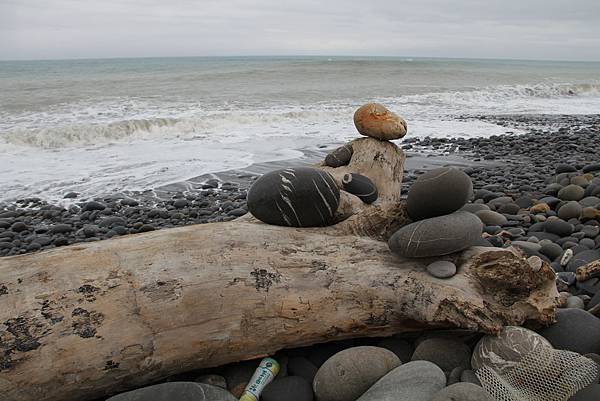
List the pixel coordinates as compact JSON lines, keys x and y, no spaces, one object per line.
{"x":570,"y":210}
{"x":575,"y":302}
{"x":462,"y":392}
{"x":339,"y":157}
{"x":300,"y":366}
{"x":589,"y":201}
{"x":414,"y":381}
{"x":296,"y":197}
{"x":504,"y":351}
{"x":559,"y":227}
{"x":442,"y":269}
{"x":571,"y":193}
{"x":551,"y":250}
{"x":437,"y":236}
{"x":351,"y":372}
{"x":438,"y":192}
{"x":474,"y":207}
{"x":491,"y":218}
{"x":374,"y":120}
{"x":172,"y":391}
{"x":360,"y":186}
{"x":591,"y":167}
{"x":402,"y":348}
{"x":564,"y":168}
{"x":575,"y":330}
{"x":290,"y":388}
{"x":582,"y":258}
{"x":446,"y":353}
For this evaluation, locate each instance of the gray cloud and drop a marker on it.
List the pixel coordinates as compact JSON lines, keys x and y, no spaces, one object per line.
{"x":550,"y":29}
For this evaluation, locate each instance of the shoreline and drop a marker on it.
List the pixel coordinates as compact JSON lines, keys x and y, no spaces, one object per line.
{"x":508,"y":164}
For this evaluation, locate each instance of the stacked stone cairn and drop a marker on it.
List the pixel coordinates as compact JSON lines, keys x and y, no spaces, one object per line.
{"x":557,"y":228}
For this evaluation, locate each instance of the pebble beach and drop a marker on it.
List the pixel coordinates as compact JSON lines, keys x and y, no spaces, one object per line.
{"x":513,"y":168}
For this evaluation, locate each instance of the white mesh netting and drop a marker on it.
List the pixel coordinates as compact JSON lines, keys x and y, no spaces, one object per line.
{"x":545,"y":374}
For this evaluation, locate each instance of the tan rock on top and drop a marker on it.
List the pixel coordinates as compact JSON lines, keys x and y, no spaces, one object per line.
{"x":374,"y":120}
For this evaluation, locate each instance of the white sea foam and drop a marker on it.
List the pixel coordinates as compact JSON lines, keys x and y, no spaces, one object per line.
{"x":112,"y":143}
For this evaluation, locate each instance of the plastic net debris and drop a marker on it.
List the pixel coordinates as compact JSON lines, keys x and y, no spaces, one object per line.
{"x":545,"y":374}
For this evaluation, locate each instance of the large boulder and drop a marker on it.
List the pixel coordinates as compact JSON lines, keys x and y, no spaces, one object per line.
{"x":173,"y":391}
{"x":437,"y":236}
{"x":349,"y":373}
{"x":575,"y":330}
{"x":438,"y":192}
{"x":296,"y":197}
{"x":414,"y":381}
{"x":374,"y":120}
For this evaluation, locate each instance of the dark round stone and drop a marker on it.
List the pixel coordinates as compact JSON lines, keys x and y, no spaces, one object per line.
{"x":583,"y":258}
{"x":575,"y":330}
{"x":565,"y":168}
{"x":339,"y":157}
{"x":591,"y":167}
{"x":93,"y":205}
{"x":437,"y":236}
{"x":446,"y":353}
{"x":438,"y":192}
{"x":559,"y":227}
{"x":290,"y":388}
{"x":570,"y":210}
{"x":360,"y":186}
{"x":18,"y":227}
{"x":300,"y":366}
{"x":571,"y":193}
{"x":297,"y":197}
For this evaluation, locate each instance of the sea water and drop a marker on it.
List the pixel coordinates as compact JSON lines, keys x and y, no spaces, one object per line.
{"x":106,"y":125}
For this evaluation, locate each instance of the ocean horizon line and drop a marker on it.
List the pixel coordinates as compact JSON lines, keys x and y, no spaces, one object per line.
{"x":305,"y":56}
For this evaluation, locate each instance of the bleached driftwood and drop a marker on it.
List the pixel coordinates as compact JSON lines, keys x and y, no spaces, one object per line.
{"x":88,"y":320}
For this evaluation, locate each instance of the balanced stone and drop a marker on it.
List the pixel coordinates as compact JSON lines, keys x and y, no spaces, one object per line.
{"x":575,"y":330}
{"x":500,"y":353}
{"x":188,"y":391}
{"x":351,"y":372}
{"x":376,"y":121}
{"x":571,"y":193}
{"x":438,"y":192}
{"x":414,"y":381}
{"x":437,"y":236}
{"x":296,"y":197}
{"x":491,"y":218}
{"x":442,"y":269}
{"x":360,"y":186}
{"x":339,"y":157}
{"x":447,"y":353}
{"x":462,"y":392}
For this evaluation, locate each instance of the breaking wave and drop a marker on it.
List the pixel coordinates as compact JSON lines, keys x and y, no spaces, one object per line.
{"x":215,"y":124}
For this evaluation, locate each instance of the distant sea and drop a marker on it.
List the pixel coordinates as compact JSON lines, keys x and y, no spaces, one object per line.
{"x":100,"y":126}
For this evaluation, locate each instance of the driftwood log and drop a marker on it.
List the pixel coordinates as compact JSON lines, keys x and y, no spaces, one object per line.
{"x":89,"y":320}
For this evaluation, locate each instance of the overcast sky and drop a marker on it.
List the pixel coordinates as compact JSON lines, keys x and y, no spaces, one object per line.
{"x":532,"y":29}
